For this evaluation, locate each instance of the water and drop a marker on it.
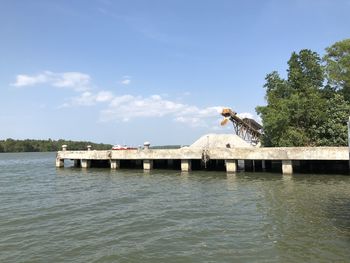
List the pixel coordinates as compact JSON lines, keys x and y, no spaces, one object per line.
{"x":99,"y":215}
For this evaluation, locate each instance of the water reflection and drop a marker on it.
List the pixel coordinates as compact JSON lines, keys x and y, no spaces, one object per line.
{"x":338,"y":211}
{"x":231,"y":181}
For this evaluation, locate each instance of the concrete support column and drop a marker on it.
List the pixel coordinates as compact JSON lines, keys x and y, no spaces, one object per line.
{"x":287,"y":167}
{"x":115,"y":164}
{"x":231,"y":166}
{"x":85,"y":163}
{"x":147,"y":164}
{"x":59,"y":162}
{"x":263,"y":165}
{"x":185,"y":165}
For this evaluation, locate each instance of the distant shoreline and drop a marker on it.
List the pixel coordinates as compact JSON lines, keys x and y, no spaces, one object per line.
{"x":31,"y":145}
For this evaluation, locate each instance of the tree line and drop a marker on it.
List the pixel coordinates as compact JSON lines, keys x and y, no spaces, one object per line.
{"x":311,"y":106}
{"x":11,"y":145}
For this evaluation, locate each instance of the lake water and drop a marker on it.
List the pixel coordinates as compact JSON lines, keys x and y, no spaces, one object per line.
{"x":100,"y":215}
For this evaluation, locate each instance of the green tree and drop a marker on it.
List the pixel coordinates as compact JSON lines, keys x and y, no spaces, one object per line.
{"x":11,"y":145}
{"x":337,"y":66}
{"x":294,"y":106}
{"x":333,"y":131}
{"x":305,"y":70}
{"x":275,"y":114}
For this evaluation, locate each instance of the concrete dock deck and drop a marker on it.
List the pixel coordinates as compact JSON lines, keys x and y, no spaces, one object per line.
{"x":186,"y":155}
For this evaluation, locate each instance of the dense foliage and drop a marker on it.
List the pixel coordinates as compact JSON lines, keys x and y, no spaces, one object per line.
{"x":11,"y":145}
{"x":337,"y":61}
{"x":310,"y":107}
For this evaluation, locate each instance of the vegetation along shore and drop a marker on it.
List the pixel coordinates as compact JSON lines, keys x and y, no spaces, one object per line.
{"x":28,"y":145}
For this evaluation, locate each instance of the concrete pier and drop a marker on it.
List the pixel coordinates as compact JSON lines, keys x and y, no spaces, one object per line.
{"x":59,"y":162}
{"x":147,"y":164}
{"x":190,"y":157}
{"x":85,"y":163}
{"x":186,"y":165}
{"x":115,"y":164}
{"x":231,"y":166}
{"x":287,"y":167}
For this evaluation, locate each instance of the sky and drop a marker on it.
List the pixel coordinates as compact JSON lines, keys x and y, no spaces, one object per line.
{"x":125,"y":72}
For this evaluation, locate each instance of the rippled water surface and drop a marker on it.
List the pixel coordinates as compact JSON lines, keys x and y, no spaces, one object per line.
{"x":99,"y":215}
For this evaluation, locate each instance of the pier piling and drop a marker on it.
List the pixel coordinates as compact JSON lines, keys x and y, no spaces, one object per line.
{"x":59,"y":162}
{"x":231,"y":166}
{"x":185,"y":165}
{"x":287,"y":167}
{"x":85,"y":163}
{"x":187,"y":159}
{"x":147,"y":164}
{"x":115,"y":164}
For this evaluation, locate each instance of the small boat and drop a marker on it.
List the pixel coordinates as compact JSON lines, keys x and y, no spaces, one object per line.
{"x":124,"y":147}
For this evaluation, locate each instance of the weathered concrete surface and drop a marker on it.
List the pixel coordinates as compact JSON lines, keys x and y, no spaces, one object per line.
{"x":287,"y":167}
{"x":231,"y":166}
{"x":85,"y":163}
{"x":285,"y":153}
{"x":147,"y":164}
{"x":59,"y":162}
{"x":185,"y":165}
{"x":115,"y":164}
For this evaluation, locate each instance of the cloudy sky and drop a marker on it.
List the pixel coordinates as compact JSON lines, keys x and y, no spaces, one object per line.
{"x":128,"y":71}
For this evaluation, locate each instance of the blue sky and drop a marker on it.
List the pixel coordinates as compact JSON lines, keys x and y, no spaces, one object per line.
{"x":158,"y":70}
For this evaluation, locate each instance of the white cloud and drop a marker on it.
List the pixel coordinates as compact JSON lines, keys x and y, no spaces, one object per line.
{"x":243,"y":115}
{"x":87,"y":98}
{"x":73,"y":80}
{"x":126,"y":80}
{"x":124,"y":107}
{"x":26,"y":80}
{"x":127,"y":107}
{"x":103,"y":96}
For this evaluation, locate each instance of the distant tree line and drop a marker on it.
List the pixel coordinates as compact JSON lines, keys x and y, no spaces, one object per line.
{"x":311,"y":106}
{"x":11,"y":145}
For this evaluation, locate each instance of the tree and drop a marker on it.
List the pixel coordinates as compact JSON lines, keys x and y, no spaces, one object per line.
{"x":305,"y":70}
{"x":294,"y":106}
{"x":337,"y":66}
{"x":274,"y":115}
{"x":333,"y":131}
{"x":11,"y":145}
